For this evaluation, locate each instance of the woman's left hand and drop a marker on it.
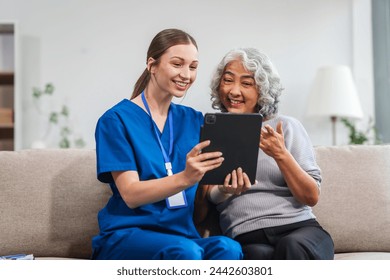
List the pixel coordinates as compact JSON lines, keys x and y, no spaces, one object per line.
{"x":239,"y":182}
{"x":271,"y":141}
{"x":303,"y":187}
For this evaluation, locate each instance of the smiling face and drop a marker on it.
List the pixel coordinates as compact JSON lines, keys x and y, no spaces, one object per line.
{"x":237,"y":89}
{"x":176,"y":70}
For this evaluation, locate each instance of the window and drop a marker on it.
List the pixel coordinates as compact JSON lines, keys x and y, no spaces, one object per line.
{"x":381,"y":49}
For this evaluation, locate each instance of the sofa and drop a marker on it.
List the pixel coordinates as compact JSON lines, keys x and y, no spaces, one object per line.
{"x":49,"y":200}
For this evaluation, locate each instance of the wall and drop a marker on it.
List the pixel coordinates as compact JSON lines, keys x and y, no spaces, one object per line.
{"x":94,"y":50}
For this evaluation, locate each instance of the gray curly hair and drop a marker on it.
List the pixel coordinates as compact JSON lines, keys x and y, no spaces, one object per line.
{"x":266,"y":77}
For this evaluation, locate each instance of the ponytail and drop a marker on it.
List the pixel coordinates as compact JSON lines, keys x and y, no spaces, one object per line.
{"x":141,"y":84}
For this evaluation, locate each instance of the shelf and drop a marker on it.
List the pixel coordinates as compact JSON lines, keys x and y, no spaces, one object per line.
{"x":6,"y":125}
{"x":6,"y":78}
{"x":7,"y":28}
{"x":7,"y":133}
{"x":9,"y":106}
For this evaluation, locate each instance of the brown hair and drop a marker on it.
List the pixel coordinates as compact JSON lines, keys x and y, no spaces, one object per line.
{"x":160,"y":43}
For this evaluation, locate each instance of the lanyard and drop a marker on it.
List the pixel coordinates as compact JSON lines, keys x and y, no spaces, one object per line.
{"x":178,"y":200}
{"x":168,"y":165}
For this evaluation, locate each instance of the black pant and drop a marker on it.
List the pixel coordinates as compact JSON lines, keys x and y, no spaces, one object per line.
{"x":305,"y":240}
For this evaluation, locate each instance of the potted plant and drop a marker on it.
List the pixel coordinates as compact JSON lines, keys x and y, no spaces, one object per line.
{"x":56,"y":118}
{"x":359,"y":137}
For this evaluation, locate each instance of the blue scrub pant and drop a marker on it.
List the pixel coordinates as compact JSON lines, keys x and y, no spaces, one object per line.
{"x":139,"y":244}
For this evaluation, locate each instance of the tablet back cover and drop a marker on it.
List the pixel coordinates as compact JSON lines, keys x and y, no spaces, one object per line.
{"x":237,"y":136}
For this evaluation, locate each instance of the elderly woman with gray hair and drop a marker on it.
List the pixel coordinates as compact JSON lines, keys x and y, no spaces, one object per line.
{"x":271,"y":219}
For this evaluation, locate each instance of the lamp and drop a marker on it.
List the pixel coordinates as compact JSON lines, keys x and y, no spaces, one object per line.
{"x":334,"y":95}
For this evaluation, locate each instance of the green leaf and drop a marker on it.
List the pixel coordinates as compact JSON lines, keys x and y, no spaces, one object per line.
{"x":53,"y":118}
{"x":36,"y":92}
{"x":64,"y":143}
{"x":79,"y":143}
{"x":65,"y":131}
{"x":65,"y":111}
{"x":49,"y":89}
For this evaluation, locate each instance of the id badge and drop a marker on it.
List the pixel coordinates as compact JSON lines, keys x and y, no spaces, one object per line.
{"x":178,"y":200}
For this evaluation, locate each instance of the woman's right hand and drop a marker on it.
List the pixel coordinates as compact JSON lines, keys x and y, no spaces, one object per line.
{"x":198,"y":163}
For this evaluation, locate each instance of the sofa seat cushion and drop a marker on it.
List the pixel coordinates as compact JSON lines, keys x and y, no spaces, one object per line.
{"x":363,"y":256}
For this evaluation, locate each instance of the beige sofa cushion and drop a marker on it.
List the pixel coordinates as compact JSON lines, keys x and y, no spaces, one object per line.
{"x":354,"y":205}
{"x":49,"y":200}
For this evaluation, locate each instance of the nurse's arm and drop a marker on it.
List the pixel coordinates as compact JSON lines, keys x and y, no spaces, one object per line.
{"x":136,"y":193}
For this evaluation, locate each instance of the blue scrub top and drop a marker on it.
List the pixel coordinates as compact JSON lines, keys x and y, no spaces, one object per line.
{"x":126,"y":140}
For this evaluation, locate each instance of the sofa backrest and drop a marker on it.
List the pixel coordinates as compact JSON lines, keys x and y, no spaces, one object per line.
{"x":354,"y":205}
{"x":49,"y":200}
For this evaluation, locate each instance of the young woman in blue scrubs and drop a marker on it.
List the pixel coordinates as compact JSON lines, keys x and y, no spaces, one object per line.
{"x":148,"y":152}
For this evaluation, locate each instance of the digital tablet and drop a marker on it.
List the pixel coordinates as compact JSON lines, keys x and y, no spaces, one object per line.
{"x":237,"y":136}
